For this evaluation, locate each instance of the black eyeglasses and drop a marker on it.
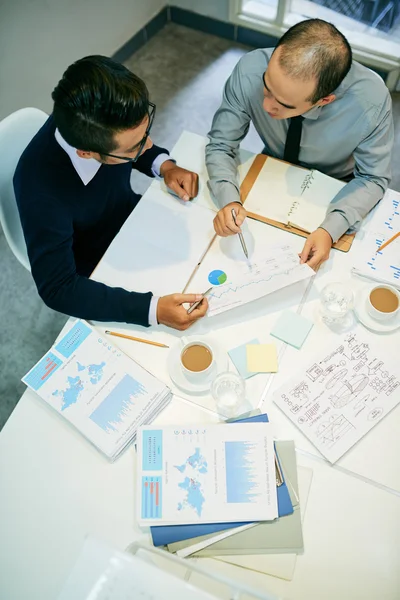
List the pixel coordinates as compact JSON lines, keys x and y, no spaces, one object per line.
{"x":152,"y":112}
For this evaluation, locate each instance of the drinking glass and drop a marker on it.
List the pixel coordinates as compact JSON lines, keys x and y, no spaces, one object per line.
{"x":229,"y":392}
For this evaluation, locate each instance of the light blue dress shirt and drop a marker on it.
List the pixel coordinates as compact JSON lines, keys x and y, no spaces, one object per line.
{"x":353,"y":133}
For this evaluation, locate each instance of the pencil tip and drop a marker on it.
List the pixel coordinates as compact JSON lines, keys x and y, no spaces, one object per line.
{"x":106,"y":331}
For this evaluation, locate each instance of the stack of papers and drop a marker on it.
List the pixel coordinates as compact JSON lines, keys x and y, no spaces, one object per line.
{"x":97,"y":388}
{"x":236,"y":541}
{"x":206,"y":474}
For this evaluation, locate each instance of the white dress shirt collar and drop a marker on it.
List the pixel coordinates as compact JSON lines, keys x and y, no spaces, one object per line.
{"x":85,"y":167}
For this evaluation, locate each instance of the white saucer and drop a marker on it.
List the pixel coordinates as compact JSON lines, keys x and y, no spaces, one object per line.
{"x":362,"y":314}
{"x":178,"y":377}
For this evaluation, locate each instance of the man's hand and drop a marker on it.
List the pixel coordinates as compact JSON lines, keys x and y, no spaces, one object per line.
{"x":184,"y":183}
{"x":223,"y":222}
{"x":316,"y":249}
{"x":171,"y":312}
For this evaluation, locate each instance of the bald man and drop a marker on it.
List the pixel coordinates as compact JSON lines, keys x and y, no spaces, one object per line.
{"x":346,"y":129}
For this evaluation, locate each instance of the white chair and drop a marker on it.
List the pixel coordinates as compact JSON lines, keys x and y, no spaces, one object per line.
{"x":16,"y":131}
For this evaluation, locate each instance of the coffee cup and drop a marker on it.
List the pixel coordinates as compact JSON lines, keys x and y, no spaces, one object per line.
{"x":383,"y":302}
{"x":197,"y":360}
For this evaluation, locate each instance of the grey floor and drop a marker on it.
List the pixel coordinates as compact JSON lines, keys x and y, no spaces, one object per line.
{"x":185,"y":71}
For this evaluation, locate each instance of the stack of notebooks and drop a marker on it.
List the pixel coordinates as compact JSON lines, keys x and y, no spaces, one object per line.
{"x":97,"y":388}
{"x":223,"y":491}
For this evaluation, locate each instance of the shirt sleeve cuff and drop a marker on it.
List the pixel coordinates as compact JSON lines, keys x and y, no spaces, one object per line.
{"x":158,"y":161}
{"x":224,"y":193}
{"x":153,"y":310}
{"x":335,"y":224}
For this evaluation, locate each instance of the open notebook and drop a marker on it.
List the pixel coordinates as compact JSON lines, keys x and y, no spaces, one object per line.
{"x":292,"y":195}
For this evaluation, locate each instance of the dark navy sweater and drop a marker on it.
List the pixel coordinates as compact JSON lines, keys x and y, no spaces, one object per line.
{"x":68,"y":226}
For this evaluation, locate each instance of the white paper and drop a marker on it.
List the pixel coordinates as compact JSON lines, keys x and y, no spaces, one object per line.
{"x":291,"y":194}
{"x":385,"y":223}
{"x":345,"y":390}
{"x":269,"y":268}
{"x":206,"y":474}
{"x":100,"y":390}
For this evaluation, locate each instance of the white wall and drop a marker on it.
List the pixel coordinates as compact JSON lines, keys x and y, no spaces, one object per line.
{"x":40,"y":38}
{"x":217,"y":9}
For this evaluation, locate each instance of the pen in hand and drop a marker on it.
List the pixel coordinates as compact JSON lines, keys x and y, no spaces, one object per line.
{"x":241,"y":238}
{"x":196,"y":304}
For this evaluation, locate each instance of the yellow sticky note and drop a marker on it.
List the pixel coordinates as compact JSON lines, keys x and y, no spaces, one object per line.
{"x":262,"y":358}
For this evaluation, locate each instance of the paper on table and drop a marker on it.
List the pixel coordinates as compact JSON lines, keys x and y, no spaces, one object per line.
{"x":238,"y":356}
{"x":262,"y":358}
{"x":218,"y":537}
{"x":292,"y":328}
{"x":381,"y":266}
{"x":236,"y":282}
{"x":344,"y":391}
{"x":97,"y":388}
{"x":207,"y":474}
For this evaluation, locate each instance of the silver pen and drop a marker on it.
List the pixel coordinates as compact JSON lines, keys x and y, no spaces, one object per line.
{"x":196,"y":304}
{"x":241,"y":238}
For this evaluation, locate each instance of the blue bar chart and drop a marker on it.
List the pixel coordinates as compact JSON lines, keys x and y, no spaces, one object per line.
{"x":116,"y":407}
{"x":242,"y":478}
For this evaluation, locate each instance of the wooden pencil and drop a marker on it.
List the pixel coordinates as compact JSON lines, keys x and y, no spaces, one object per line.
{"x":389,"y":241}
{"x":198,"y":264}
{"x":136,"y":339}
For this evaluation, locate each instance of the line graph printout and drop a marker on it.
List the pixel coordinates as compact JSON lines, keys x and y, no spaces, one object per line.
{"x":96,"y":387}
{"x":206,"y":474}
{"x":341,"y":393}
{"x":371,"y":262}
{"x":269,"y":269}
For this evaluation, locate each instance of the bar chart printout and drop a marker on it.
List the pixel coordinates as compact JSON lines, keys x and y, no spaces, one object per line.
{"x":241,"y":472}
{"x":206,"y":474}
{"x":381,"y":265}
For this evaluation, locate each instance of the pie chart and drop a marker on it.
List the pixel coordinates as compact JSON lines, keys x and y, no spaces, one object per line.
{"x":217,"y":277}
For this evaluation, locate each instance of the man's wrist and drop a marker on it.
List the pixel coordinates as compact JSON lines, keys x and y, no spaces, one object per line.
{"x":327,"y":232}
{"x":158,"y":163}
{"x":166,"y":166}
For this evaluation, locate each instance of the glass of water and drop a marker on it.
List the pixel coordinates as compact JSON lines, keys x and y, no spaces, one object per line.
{"x":229,"y":392}
{"x":336,"y":303}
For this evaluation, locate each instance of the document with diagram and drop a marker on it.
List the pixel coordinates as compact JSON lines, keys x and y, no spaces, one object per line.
{"x":342,"y":393}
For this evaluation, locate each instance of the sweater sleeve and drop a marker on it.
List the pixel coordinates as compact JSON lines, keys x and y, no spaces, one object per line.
{"x":145,"y":160}
{"x":48,"y":230}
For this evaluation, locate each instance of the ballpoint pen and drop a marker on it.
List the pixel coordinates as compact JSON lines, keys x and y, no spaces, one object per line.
{"x":196,"y":304}
{"x":241,"y":238}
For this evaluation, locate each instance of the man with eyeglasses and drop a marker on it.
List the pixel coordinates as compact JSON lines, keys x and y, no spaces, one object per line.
{"x":72,"y":186}
{"x":311,"y":105}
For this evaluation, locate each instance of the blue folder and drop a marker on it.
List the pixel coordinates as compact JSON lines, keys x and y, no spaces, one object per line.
{"x":168,"y":534}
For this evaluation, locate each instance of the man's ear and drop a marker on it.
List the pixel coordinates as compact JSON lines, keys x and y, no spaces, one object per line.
{"x":85,"y":154}
{"x":327,"y":100}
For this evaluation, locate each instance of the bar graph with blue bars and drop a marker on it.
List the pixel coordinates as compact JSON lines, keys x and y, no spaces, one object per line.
{"x":151,"y":497}
{"x":242,"y":479}
{"x":385,"y":264}
{"x":115,"y":408}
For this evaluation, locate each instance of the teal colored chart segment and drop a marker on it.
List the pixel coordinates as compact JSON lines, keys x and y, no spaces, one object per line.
{"x":217,"y":277}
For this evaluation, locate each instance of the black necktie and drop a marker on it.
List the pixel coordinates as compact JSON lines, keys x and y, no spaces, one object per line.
{"x":293,"y":138}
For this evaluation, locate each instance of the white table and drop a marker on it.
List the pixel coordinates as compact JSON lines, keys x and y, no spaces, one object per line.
{"x":55,"y":488}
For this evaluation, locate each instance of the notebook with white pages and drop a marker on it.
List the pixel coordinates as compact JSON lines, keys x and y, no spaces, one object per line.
{"x":292,"y":195}
{"x":97,"y":388}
